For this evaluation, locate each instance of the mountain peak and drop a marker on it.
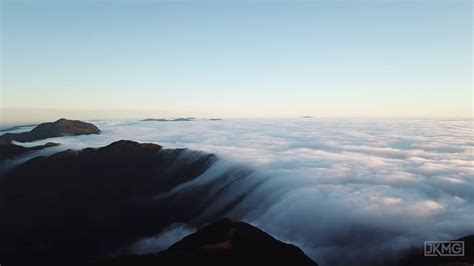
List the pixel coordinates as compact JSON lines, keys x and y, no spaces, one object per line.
{"x":128,"y":145}
{"x":225,"y":242}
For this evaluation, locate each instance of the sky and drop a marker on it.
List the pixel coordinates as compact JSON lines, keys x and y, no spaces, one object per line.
{"x":124,"y":59}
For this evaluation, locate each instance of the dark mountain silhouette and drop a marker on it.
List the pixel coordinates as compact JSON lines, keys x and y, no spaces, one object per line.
{"x":416,"y":256}
{"x":9,"y":150}
{"x":61,"y":127}
{"x":225,"y":242}
{"x":77,"y":205}
{"x":90,"y":202}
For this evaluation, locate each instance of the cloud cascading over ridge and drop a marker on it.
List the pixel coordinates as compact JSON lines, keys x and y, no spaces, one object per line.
{"x":356,"y":187}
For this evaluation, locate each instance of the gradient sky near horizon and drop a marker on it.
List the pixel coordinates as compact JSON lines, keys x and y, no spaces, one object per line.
{"x":235,"y":58}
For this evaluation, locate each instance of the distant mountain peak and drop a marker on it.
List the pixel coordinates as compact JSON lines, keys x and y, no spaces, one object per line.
{"x":61,"y":127}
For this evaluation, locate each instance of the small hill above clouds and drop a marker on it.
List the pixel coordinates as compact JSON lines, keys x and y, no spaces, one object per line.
{"x":180,"y":119}
{"x":61,"y":127}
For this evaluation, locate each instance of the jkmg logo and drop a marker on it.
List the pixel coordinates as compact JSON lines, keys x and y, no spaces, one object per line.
{"x":444,"y":248}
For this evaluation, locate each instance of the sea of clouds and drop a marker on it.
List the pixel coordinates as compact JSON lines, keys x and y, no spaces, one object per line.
{"x":344,"y":190}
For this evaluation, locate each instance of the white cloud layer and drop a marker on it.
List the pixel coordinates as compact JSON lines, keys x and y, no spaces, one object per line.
{"x":338,"y":188}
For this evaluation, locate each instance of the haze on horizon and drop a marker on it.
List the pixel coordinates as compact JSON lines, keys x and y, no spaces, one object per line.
{"x":104,"y":59}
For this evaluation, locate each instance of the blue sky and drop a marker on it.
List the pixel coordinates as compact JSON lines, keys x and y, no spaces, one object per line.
{"x":236,"y":58}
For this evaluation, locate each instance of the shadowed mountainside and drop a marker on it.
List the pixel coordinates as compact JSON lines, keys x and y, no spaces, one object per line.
{"x":81,"y":204}
{"x":9,"y":150}
{"x":61,"y":127}
{"x":225,"y":242}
